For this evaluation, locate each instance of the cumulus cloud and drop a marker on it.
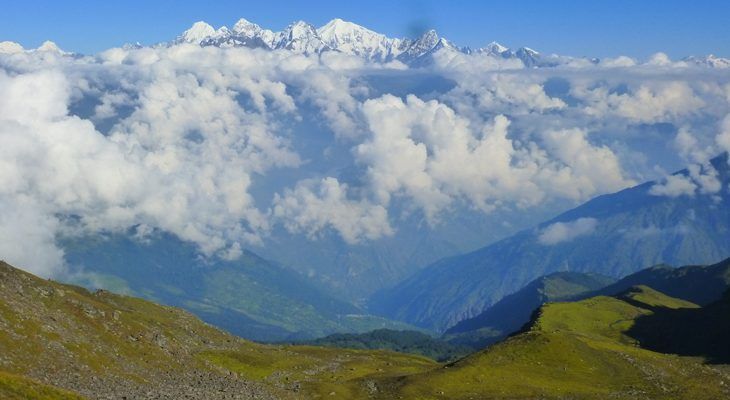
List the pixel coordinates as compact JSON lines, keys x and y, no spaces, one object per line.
{"x":646,"y":103}
{"x":311,"y":207}
{"x":674,"y":186}
{"x":590,"y":169}
{"x":220,"y":145}
{"x":561,"y":232}
{"x":699,"y":178}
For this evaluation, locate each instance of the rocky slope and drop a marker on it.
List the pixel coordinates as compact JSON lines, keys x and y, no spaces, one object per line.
{"x":63,"y":342}
{"x":102,"y":345}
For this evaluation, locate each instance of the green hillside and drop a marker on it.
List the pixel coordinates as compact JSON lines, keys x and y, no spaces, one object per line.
{"x":14,"y":387}
{"x":103,"y":345}
{"x":575,"y":350}
{"x":249,"y":296}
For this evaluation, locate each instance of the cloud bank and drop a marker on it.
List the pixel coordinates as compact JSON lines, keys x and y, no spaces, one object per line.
{"x":219,"y":146}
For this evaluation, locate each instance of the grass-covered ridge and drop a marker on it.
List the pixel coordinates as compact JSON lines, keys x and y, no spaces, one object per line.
{"x":576,"y":350}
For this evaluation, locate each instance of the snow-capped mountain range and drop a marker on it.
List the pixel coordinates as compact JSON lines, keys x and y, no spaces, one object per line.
{"x":350,"y":38}
{"x":345,"y":37}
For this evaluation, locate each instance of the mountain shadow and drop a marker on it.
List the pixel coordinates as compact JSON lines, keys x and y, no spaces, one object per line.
{"x":702,"y":332}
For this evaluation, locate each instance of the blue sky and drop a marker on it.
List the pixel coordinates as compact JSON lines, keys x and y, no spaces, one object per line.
{"x":581,"y":28}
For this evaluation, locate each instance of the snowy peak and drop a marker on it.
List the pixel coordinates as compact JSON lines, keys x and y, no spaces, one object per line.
{"x":300,"y":37}
{"x":246,"y":28}
{"x":196,"y":33}
{"x":420,"y":51}
{"x":243,"y":34}
{"x":529,"y":57}
{"x":341,"y":27}
{"x":337,"y":35}
{"x":493,"y":49}
{"x":427,"y":41}
{"x":421,"y":46}
{"x":351,"y":38}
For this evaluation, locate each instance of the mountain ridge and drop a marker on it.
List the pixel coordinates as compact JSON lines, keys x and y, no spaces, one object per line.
{"x":350,"y":38}
{"x":338,"y":35}
{"x":698,"y":284}
{"x":512,"y":312}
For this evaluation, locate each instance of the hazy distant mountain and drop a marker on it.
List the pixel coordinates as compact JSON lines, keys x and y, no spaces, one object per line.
{"x":613,"y":235}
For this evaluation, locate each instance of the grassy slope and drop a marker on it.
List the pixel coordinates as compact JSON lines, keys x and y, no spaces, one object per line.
{"x":316,"y":372}
{"x":574,"y":350}
{"x":102,"y":343}
{"x":14,"y":387}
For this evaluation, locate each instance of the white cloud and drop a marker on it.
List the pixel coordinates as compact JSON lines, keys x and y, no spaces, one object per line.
{"x":702,"y":178}
{"x":674,"y":186}
{"x":618,"y":62}
{"x":561,"y":232}
{"x":659,"y":59}
{"x":195,"y":141}
{"x":647,"y":103}
{"x":27,"y":237}
{"x":589,"y":169}
{"x":723,"y":138}
{"x":314,"y":206}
